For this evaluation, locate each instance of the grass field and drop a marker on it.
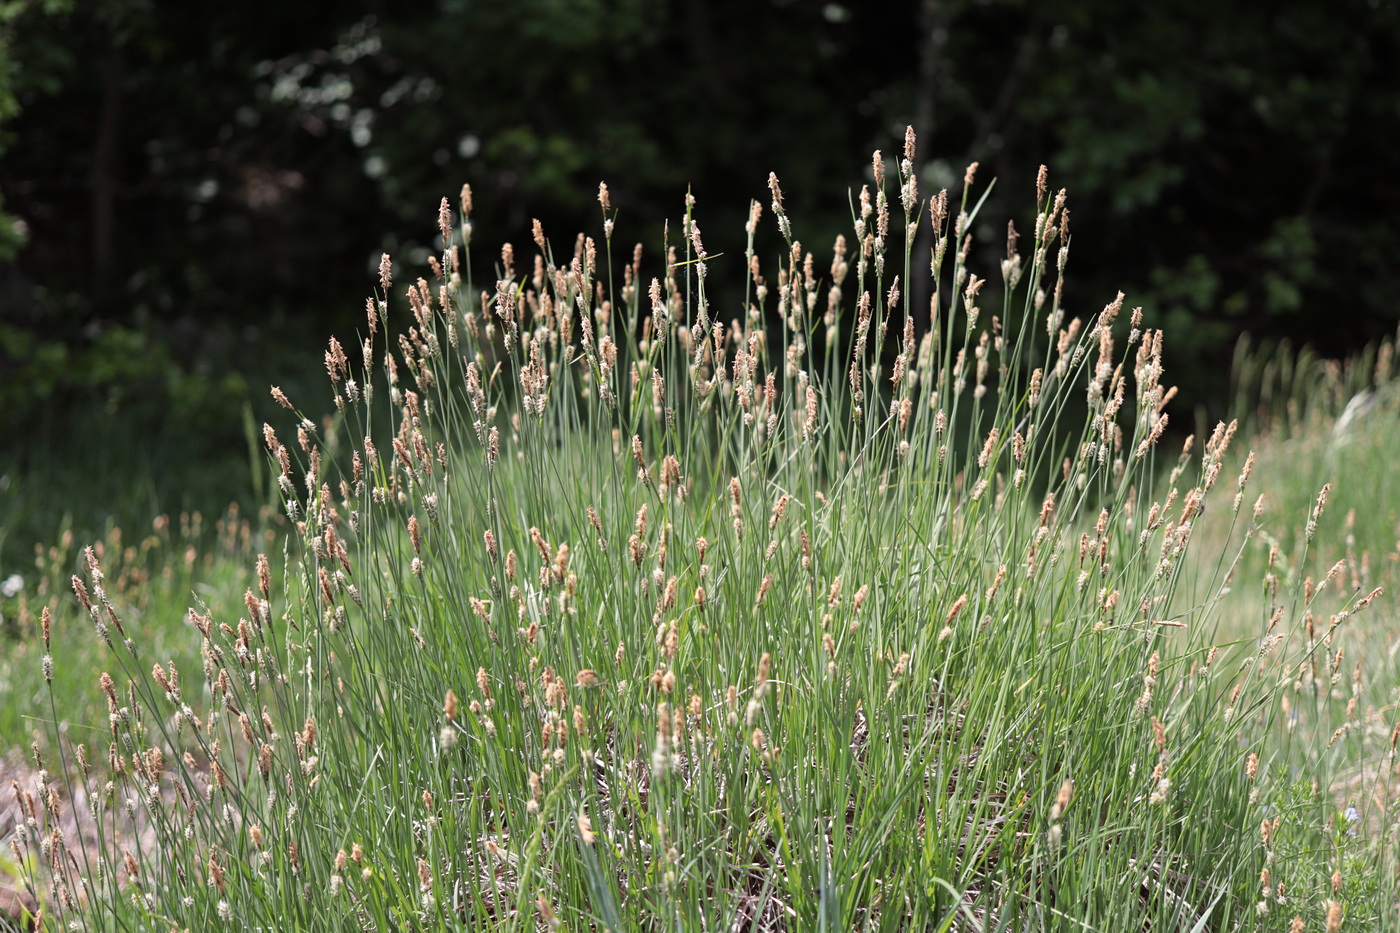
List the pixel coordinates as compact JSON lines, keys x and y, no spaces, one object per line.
{"x":589,"y":607}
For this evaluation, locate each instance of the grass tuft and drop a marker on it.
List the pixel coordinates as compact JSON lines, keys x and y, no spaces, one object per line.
{"x":599,"y":609}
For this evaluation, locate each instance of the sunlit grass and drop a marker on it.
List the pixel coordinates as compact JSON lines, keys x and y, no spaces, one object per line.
{"x":606,"y":611}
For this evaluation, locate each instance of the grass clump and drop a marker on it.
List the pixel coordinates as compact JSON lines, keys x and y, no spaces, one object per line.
{"x":603,"y":611}
{"x":150,"y":579}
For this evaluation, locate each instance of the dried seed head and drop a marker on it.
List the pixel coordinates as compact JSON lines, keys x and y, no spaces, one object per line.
{"x":133,"y":868}
{"x":555,"y":694}
{"x":445,"y":222}
{"x":763,"y":587}
{"x":264,"y":577}
{"x":547,"y":915}
{"x":639,"y":455}
{"x":425,"y":875}
{"x":957,"y":607}
{"x":778,"y":509}
{"x":1317,"y":510}
{"x":158,"y":673}
{"x":987,"y":448}
{"x":1062,"y":800}
{"x":215,"y":870}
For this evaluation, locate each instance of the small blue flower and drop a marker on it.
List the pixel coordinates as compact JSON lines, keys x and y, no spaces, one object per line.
{"x":1352,"y":817}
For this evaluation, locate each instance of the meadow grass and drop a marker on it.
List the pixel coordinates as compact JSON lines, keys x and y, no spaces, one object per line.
{"x":153,"y":579}
{"x":600,"y":609}
{"x":1334,"y":426}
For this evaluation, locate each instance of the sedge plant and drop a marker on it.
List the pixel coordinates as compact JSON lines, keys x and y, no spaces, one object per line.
{"x":605,"y":611}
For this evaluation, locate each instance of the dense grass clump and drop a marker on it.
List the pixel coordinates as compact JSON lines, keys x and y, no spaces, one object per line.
{"x":604,"y":610}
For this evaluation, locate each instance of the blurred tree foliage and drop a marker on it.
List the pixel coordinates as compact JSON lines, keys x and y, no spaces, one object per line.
{"x":193,"y":188}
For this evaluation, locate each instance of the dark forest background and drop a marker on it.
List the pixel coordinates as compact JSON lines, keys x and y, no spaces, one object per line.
{"x":195,"y":194}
